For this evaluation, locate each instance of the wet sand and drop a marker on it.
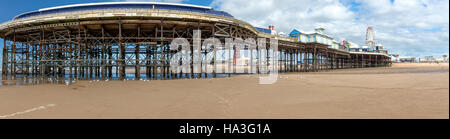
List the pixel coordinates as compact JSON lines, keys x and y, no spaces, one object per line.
{"x":401,"y":91}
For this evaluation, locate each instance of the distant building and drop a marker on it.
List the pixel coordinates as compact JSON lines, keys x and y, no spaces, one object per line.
{"x":383,"y":51}
{"x":272,"y":28}
{"x":319,"y":36}
{"x":379,"y":47}
{"x":445,"y":57}
{"x":283,"y":34}
{"x":355,"y":50}
{"x":346,"y":44}
{"x":407,"y":59}
{"x":308,"y":37}
{"x":427,"y":59}
{"x":395,"y":58}
{"x":263,"y":30}
{"x":440,"y":60}
{"x":336,"y":45}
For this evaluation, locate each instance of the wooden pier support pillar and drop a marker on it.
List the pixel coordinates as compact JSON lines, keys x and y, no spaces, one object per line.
{"x":314,"y":59}
{"x":78,"y":67}
{"x":358,"y":61}
{"x":5,"y":59}
{"x":297,"y":58}
{"x":137,"y":52}
{"x":54,"y":49}
{"x":301,"y":60}
{"x":214,"y":72}
{"x":307,"y":62}
{"x":13,"y":58}
{"x":104,"y":52}
{"x":377,"y":62}
{"x":26,"y":62}
{"x":121,"y":59}
{"x":154,"y":62}
{"x":363,"y":61}
{"x":110,"y":66}
{"x":43,"y":56}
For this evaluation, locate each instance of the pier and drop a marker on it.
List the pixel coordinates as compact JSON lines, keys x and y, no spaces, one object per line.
{"x":87,"y":42}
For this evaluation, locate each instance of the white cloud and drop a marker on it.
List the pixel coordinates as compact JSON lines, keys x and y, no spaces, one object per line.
{"x":407,"y":27}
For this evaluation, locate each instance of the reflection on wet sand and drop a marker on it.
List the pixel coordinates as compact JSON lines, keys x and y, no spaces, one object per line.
{"x":17,"y":81}
{"x":398,"y":68}
{"x":67,"y":80}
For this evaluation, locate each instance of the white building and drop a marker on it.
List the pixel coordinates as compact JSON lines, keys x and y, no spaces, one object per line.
{"x":318,"y":36}
{"x":395,"y":58}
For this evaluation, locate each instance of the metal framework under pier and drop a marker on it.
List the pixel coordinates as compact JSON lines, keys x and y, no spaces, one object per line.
{"x":104,"y":49}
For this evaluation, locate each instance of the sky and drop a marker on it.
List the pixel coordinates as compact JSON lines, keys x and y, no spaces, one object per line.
{"x":407,"y":27}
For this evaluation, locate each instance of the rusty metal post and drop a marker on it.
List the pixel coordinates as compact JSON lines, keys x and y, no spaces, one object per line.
{"x":5,"y":59}
{"x":121,"y":58}
{"x":137,"y":53}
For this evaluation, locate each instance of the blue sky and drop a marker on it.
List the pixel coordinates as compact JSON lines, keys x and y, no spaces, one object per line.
{"x":16,"y":7}
{"x":406,"y":27}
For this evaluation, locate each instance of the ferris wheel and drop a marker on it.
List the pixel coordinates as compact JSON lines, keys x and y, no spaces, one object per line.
{"x":370,"y":38}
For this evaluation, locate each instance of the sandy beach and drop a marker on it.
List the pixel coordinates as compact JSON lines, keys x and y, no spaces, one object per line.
{"x":401,"y":91}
